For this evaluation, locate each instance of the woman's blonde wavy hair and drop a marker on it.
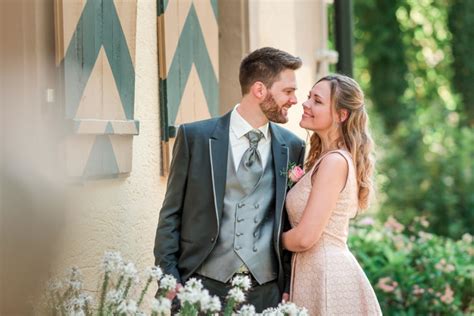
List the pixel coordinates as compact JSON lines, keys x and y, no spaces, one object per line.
{"x":355,"y":136}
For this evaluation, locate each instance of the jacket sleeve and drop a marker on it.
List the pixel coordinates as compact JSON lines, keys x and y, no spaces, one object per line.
{"x":167,"y":240}
{"x":287,"y":254}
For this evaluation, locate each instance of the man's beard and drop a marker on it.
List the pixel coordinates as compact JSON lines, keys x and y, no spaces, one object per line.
{"x":272,"y":111}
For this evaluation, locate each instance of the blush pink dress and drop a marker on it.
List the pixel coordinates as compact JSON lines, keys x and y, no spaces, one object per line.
{"x":327,"y":279}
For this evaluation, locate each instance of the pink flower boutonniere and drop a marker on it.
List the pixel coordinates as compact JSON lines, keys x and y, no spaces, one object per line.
{"x":294,"y":174}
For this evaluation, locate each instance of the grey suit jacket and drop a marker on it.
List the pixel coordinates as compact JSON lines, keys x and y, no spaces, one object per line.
{"x":190,"y":215}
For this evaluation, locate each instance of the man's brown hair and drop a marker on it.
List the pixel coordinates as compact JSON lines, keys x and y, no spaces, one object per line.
{"x":265,"y":65}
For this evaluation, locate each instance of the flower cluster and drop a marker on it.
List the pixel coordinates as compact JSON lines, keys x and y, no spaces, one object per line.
{"x":119,"y":294}
{"x":412,"y":270}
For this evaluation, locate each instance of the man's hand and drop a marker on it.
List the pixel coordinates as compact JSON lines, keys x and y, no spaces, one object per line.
{"x":172,"y":294}
{"x":285,"y":297}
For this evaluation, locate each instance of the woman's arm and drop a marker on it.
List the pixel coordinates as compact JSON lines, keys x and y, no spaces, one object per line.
{"x":328,"y":181}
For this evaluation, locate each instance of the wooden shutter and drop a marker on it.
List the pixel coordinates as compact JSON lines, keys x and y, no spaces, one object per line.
{"x":189,"y":62}
{"x":95,"y":52}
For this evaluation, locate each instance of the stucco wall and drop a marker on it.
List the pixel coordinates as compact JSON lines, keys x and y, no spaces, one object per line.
{"x":121,"y":214}
{"x":293,"y":26}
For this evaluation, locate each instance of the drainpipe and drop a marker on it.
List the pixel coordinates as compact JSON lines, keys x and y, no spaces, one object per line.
{"x":344,"y":36}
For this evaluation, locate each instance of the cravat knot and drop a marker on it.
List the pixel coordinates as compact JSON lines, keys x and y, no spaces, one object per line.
{"x":254,"y":136}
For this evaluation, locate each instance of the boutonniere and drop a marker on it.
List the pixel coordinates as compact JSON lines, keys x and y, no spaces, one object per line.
{"x":294,"y":173}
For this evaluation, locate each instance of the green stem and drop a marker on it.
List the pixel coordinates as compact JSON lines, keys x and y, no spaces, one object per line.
{"x":229,"y":308}
{"x":145,"y":289}
{"x":102,"y":294}
{"x":127,"y":288}
{"x":119,"y":283}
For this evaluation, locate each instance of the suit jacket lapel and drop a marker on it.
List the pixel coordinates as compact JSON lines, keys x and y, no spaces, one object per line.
{"x":218,"y":155}
{"x":280,"y":160}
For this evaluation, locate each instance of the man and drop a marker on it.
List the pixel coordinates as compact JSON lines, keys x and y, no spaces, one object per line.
{"x":223,"y":211}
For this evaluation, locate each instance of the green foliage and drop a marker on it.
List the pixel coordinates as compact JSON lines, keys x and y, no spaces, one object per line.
{"x":425,"y":165}
{"x":461,"y":25}
{"x":435,"y":179}
{"x":378,"y":38}
{"x":414,"y":272}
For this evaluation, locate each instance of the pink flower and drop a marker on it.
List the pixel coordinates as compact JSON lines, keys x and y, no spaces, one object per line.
{"x":447,"y":297}
{"x":418,"y":290}
{"x":387,"y":284}
{"x":443,"y":266}
{"x":422,"y":220}
{"x":295,"y":174}
{"x":393,"y":225}
{"x":366,"y":221}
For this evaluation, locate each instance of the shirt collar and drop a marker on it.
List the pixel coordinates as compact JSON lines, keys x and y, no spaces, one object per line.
{"x":240,"y":126}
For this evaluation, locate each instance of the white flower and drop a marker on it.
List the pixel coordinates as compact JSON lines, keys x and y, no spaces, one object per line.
{"x":194,"y":284}
{"x":114,"y":296}
{"x":129,"y":271}
{"x":76,"y":313}
{"x":75,"y":285}
{"x":289,"y":308}
{"x":54,"y":285}
{"x":87,"y":298}
{"x":189,"y":294}
{"x":75,"y":306}
{"x":208,"y":303}
{"x":236,"y":294}
{"x":246,"y":310}
{"x":111,"y":261}
{"x":82,"y":299}
{"x":75,"y":274}
{"x":129,"y":307}
{"x":155,"y":273}
{"x":204,"y":299}
{"x":161,"y":305}
{"x":271,"y":312}
{"x":168,"y":282}
{"x":242,"y":281}
{"x":214,"y":305}
{"x":74,"y":281}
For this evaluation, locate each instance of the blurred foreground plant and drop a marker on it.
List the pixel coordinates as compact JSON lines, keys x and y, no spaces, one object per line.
{"x":120,"y":294}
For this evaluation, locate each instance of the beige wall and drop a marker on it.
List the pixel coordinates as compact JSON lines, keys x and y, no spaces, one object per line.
{"x":295,"y":26}
{"x":122,"y":214}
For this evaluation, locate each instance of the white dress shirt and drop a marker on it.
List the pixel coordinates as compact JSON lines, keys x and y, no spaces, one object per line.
{"x":239,"y":143}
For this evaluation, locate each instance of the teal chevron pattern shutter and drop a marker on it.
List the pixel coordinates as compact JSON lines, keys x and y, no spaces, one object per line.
{"x":188,"y":62}
{"x":95,"y":43}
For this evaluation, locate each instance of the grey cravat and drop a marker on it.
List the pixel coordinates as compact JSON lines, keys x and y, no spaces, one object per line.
{"x":250,"y":168}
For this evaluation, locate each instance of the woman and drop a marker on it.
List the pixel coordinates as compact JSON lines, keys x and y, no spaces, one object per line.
{"x":326,"y":278}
